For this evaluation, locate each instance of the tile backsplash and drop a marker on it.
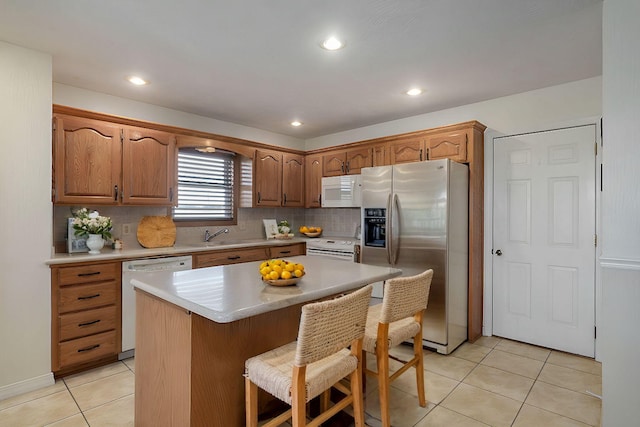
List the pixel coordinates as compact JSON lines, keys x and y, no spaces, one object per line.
{"x":335,"y":222}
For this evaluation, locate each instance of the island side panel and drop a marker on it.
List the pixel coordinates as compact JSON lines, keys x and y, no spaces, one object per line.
{"x":219,"y":352}
{"x":163,"y":363}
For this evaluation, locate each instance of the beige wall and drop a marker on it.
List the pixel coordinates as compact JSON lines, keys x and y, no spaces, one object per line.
{"x":25,"y":215}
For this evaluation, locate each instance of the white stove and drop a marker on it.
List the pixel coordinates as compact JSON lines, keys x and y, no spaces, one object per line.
{"x":343,"y":248}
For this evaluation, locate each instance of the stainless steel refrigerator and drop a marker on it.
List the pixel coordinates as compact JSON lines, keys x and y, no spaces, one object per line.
{"x":415,"y":217}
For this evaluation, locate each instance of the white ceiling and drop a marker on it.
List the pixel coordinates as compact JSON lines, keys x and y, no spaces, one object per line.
{"x":258,"y":62}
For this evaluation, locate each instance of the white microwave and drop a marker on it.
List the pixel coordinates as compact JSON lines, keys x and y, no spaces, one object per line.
{"x":343,"y":191}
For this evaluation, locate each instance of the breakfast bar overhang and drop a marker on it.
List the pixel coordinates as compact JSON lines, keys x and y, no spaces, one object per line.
{"x":196,"y":328}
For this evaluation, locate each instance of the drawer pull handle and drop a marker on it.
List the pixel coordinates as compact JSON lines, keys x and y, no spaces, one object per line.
{"x":89,"y":297}
{"x":284,"y":252}
{"x":234,"y":257}
{"x":93,"y":273}
{"x":89,"y":323}
{"x":93,"y":347}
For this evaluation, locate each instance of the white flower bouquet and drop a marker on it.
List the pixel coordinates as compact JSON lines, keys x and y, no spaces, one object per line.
{"x":86,"y":223}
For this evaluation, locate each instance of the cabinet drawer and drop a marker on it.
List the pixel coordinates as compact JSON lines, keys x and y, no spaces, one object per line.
{"x":75,"y":325}
{"x":88,"y":348}
{"x":88,"y":273}
{"x":288,"y":250}
{"x":230,"y":257}
{"x":81,"y":297}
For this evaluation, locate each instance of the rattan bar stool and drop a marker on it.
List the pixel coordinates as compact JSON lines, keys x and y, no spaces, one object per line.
{"x":397,"y":319}
{"x":328,"y":349}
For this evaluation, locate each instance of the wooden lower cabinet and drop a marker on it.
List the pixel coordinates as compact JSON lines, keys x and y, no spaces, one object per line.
{"x":85,"y":316}
{"x":189,"y":369}
{"x":288,"y":250}
{"x":231,"y":256}
{"x":248,"y":254}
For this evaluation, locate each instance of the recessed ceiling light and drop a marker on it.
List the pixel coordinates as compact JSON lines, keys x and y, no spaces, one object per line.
{"x":296,"y":123}
{"x":414,"y":91}
{"x":332,"y":43}
{"x":138,"y":81}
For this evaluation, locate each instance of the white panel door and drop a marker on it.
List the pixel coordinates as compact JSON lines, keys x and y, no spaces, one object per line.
{"x":544,"y":218}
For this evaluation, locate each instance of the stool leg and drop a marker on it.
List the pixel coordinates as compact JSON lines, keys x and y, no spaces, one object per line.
{"x":382,"y":360}
{"x":298,"y":397}
{"x":251,"y":403}
{"x":417,"y":350}
{"x":357,"y":388}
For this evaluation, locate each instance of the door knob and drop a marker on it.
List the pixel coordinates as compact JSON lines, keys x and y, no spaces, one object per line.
{"x":499,"y":252}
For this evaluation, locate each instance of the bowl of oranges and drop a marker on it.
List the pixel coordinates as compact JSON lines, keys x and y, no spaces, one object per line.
{"x":280,"y":272}
{"x":310,"y":231}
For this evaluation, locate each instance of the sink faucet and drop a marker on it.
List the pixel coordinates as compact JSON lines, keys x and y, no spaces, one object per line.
{"x":208,"y":236}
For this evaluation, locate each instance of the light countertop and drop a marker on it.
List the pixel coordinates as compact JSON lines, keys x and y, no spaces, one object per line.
{"x":231,"y":292}
{"x":178,"y":249}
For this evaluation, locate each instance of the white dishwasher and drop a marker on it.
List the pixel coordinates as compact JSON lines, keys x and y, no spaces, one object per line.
{"x":129,"y":271}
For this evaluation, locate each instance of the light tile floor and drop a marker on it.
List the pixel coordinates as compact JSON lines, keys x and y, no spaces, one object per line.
{"x":493,"y":382}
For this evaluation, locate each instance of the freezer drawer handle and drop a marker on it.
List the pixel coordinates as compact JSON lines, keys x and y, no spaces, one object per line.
{"x":93,"y":347}
{"x":89,"y":297}
{"x":88,"y":323}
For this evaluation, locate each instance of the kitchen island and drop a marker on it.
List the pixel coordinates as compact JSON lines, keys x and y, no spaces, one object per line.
{"x":196,"y":328}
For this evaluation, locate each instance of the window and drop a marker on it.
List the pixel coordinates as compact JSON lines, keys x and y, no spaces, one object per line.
{"x":205,"y":186}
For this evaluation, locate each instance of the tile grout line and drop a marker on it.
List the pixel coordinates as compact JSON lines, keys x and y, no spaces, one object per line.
{"x":75,"y":401}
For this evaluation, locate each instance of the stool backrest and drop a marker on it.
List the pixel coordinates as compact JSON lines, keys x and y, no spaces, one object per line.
{"x":405,"y":296}
{"x":327,"y":327}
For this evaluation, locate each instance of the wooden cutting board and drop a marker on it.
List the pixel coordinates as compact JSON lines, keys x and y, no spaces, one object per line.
{"x":156,"y":232}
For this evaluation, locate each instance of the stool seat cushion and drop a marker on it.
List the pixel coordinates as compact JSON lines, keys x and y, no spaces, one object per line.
{"x":271,"y":371}
{"x":399,"y":331}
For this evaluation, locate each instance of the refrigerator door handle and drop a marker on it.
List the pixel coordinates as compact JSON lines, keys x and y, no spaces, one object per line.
{"x":388,"y":231}
{"x":395,"y":230}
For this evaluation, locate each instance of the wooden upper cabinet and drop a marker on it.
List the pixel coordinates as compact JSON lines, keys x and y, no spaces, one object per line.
{"x":313,"y":181}
{"x":346,"y":162}
{"x":406,"y":150}
{"x":358,"y":159}
{"x":292,"y":180}
{"x":449,"y":145}
{"x":333,"y":163}
{"x":149,"y":162}
{"x":381,"y":155}
{"x":267,"y":178}
{"x":87,"y":161}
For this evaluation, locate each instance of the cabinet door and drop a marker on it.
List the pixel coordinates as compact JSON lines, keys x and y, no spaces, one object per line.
{"x":292,"y":180}
{"x":451,"y":145}
{"x":381,"y":155}
{"x":148,"y":174}
{"x":313,"y":181}
{"x":407,"y":150}
{"x":268,"y":178}
{"x":333,"y":164}
{"x":87,"y":159}
{"x":358,"y":159}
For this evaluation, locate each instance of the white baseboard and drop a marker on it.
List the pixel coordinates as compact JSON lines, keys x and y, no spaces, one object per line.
{"x":26,"y":386}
